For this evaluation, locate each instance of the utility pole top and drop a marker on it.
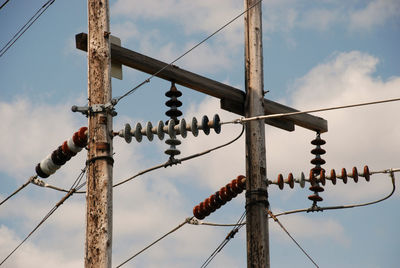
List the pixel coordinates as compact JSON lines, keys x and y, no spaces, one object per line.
{"x":232,"y":99}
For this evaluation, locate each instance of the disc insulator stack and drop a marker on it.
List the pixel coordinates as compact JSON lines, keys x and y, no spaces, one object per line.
{"x":317,"y":170}
{"x":173,"y":113}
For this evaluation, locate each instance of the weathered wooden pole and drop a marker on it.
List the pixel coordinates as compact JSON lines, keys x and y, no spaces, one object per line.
{"x":256,"y":186}
{"x":99,"y":176}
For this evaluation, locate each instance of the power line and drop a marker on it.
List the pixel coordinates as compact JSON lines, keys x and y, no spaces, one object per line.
{"x":4,"y":4}
{"x":116,"y":100}
{"x":76,"y":186}
{"x":262,"y":117}
{"x":187,"y":220}
{"x":26,"y":26}
{"x":19,"y":189}
{"x":291,"y":237}
{"x":230,"y":235}
{"x":178,"y":161}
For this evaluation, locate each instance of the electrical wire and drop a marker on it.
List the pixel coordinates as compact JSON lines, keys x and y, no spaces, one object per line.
{"x":4,"y":4}
{"x":187,"y":220}
{"x":19,"y":189}
{"x":26,"y":26}
{"x":75,"y":186}
{"x":116,"y":100}
{"x":291,"y":237}
{"x":262,"y":117}
{"x":178,"y":161}
{"x":230,"y":235}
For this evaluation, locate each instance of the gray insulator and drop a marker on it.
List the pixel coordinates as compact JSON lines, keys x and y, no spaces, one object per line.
{"x":137,"y":132}
{"x":127,"y":133}
{"x":173,"y":142}
{"x":171,"y":128}
{"x":193,"y":127}
{"x":182,"y":128}
{"x":147,"y":131}
{"x":215,"y":124}
{"x":172,"y":151}
{"x":204,"y":125}
{"x":159,"y":130}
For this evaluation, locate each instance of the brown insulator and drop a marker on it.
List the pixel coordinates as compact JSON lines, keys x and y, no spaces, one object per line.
{"x":312,"y":178}
{"x":209,"y":206}
{"x":290,"y":180}
{"x":333,"y":176}
{"x":316,"y":188}
{"x":280,"y":181}
{"x":214,"y":202}
{"x":315,"y":198}
{"x":241,"y":181}
{"x":197,"y":213}
{"x":224,"y":195}
{"x":318,"y":150}
{"x":318,"y":161}
{"x":204,"y":210}
{"x":354,"y":174}
{"x":229,"y":191}
{"x":318,"y":141}
{"x":366,"y":173}
{"x":343,"y":176}
{"x":322,"y":177}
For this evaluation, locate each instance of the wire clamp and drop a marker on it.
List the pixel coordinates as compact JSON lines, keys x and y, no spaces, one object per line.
{"x":95,"y":108}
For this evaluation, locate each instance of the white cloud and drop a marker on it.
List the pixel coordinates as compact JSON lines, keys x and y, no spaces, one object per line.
{"x":375,"y":13}
{"x":146,"y":208}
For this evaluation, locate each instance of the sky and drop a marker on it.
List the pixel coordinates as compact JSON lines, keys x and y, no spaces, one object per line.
{"x":316,"y":54}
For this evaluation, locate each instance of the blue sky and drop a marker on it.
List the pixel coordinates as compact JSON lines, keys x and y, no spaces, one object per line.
{"x":316,"y":54}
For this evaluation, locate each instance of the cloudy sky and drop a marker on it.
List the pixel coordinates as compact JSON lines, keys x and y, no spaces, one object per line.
{"x":316,"y":54}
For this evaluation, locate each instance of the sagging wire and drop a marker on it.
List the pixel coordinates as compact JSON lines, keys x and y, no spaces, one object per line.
{"x":75,"y":187}
{"x":386,"y":171}
{"x":180,"y":160}
{"x":116,"y":100}
{"x":291,"y":237}
{"x":187,"y":220}
{"x":5,"y":3}
{"x":31,"y":179}
{"x":231,"y":234}
{"x":26,"y":26}
{"x":262,"y":117}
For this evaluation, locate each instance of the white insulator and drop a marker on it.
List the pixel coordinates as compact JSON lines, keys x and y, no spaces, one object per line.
{"x":302,"y":180}
{"x":47,"y":165}
{"x":170,"y":129}
{"x":159,"y":130}
{"x":147,"y":131}
{"x":137,"y":132}
{"x":193,"y":127}
{"x":181,"y":128}
{"x":72,"y":147}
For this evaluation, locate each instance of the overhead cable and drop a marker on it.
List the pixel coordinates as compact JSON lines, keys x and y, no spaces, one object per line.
{"x":75,"y":187}
{"x":230,"y":235}
{"x":19,"y":189}
{"x":263,"y":117}
{"x":26,"y":26}
{"x":116,"y":100}
{"x":291,"y":237}
{"x":187,"y":220}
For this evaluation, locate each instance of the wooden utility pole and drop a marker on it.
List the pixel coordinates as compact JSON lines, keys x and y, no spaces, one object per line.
{"x":256,"y":186}
{"x":99,"y":176}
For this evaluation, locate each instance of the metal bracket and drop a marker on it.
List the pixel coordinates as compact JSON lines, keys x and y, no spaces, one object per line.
{"x":96,"y":108}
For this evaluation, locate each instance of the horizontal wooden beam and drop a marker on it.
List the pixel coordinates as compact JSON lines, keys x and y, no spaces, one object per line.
{"x":232,"y":99}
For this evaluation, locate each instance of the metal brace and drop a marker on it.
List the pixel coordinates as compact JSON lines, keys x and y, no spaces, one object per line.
{"x":96,"y":108}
